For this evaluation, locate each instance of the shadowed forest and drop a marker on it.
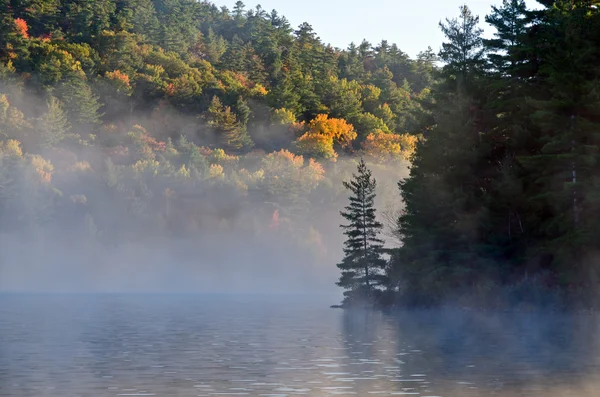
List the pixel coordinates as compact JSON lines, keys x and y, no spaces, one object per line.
{"x":173,"y":144}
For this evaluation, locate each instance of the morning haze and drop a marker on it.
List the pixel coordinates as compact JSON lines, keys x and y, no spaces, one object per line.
{"x":186,"y":188}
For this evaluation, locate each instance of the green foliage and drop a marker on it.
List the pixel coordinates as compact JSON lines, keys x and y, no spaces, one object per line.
{"x":503,"y":186}
{"x":81,"y":104}
{"x":230,"y":131}
{"x":53,"y":126}
{"x":125,"y":119}
{"x":463,"y":52}
{"x":362,"y":267}
{"x":170,"y":96}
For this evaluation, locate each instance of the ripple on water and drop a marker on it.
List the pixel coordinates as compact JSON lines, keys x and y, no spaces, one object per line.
{"x":273,"y":395}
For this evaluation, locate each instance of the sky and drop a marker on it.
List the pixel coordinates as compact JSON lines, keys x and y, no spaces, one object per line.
{"x":413,"y":25}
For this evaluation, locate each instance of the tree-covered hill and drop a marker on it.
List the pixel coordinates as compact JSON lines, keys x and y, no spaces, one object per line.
{"x":127,"y":121}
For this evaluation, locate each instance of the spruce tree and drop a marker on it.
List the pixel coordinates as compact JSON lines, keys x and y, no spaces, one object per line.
{"x":362,"y":267}
{"x":53,"y":125}
{"x":510,"y":21}
{"x":80,"y":102}
{"x":448,"y":177}
{"x":462,"y":53}
{"x":231,"y":134}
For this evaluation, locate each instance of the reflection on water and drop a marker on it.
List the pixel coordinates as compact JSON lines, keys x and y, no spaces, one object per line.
{"x":203,"y":346}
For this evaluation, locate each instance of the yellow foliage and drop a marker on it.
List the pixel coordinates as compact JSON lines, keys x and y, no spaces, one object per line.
{"x":316,"y":145}
{"x":215,"y":171}
{"x":258,"y":90}
{"x":11,"y":118}
{"x":183,"y":172}
{"x":149,"y":165}
{"x":42,"y":167}
{"x":322,"y":134}
{"x":283,"y":116}
{"x":11,"y":148}
{"x":338,"y":129}
{"x":80,"y":166}
{"x":383,"y":146}
{"x":156,"y":71}
{"x":218,"y":156}
{"x":370,"y":92}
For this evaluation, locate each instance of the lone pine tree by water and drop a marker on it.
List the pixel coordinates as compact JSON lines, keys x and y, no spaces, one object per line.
{"x":362,"y":267}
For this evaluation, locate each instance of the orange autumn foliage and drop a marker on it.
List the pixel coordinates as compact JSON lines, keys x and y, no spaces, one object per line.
{"x":170,"y":89}
{"x":118,"y":75}
{"x":339,"y":130}
{"x":22,"y":27}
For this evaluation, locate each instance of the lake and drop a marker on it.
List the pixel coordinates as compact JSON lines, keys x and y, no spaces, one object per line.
{"x":199,"y":345}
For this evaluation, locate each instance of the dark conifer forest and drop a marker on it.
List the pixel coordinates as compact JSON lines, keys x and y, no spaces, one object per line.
{"x":143,"y":123}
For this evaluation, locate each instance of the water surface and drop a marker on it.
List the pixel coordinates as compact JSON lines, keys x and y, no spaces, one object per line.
{"x":110,"y":345}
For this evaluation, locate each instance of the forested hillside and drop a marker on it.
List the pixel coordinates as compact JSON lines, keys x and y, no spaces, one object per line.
{"x":131,"y":121}
{"x":144,"y":123}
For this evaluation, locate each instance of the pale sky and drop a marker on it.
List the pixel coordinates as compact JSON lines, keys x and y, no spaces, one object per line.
{"x":413,"y":25}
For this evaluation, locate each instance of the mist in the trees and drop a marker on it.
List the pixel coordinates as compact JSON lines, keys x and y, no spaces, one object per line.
{"x":177,"y":146}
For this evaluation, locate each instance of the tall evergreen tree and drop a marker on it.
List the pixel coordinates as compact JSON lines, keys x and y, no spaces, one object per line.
{"x":462,"y":53}
{"x":510,"y":21}
{"x":231,"y":134}
{"x":80,"y":102}
{"x":443,"y":194}
{"x":53,"y":126}
{"x":362,"y":267}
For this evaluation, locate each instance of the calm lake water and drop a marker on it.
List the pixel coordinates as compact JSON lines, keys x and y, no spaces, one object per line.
{"x":109,"y":345}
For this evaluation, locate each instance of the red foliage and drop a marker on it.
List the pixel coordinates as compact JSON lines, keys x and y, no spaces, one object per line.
{"x":170,"y":89}
{"x":275,"y":221}
{"x":158,"y":146}
{"x":22,"y":27}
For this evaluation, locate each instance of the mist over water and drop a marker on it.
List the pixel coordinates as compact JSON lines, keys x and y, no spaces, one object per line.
{"x":243,"y":253}
{"x":197,"y":345}
{"x":216,"y":263}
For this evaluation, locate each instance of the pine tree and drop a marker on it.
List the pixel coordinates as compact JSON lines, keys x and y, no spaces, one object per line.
{"x":88,"y":19}
{"x":243,"y":112}
{"x":144,"y":19}
{"x":562,"y":167}
{"x":233,"y":58}
{"x":81,"y":104}
{"x":463,"y":52}
{"x":239,"y":9}
{"x":214,"y":46}
{"x":510,"y":21}
{"x":362,"y":267}
{"x":53,"y":126}
{"x":443,"y":194}
{"x":231,"y":134}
